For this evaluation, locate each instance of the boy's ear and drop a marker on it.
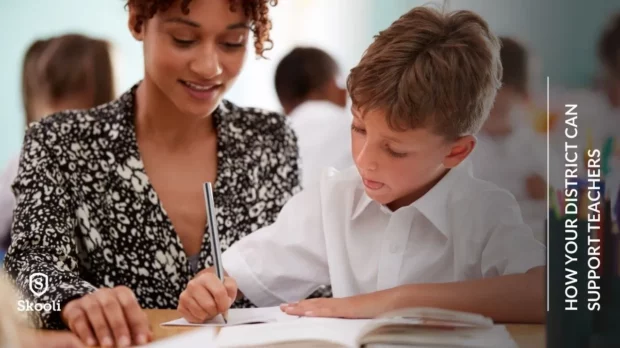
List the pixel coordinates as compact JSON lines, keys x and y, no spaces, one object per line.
{"x":459,"y":150}
{"x":133,"y":20}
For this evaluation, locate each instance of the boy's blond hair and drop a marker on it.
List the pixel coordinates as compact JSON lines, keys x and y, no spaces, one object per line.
{"x":430,"y":69}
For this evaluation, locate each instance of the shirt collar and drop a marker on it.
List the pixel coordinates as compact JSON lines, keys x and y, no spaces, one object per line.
{"x":433,"y":205}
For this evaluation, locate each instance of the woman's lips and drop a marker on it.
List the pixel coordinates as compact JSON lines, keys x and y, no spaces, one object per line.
{"x":201,"y":92}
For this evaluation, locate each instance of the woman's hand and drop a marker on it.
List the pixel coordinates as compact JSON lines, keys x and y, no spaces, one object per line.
{"x":206,"y":296}
{"x":108,"y":317}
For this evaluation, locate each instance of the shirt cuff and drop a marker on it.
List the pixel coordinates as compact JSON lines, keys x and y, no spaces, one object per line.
{"x":237,"y":268}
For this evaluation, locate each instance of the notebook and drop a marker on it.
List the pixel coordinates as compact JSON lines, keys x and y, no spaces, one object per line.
{"x":422,"y":327}
{"x":239,"y":316}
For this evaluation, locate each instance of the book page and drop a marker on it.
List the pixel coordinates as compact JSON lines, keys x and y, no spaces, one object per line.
{"x":239,"y":316}
{"x":438,"y":317}
{"x":302,"y":332}
{"x":495,"y":336}
{"x":203,"y":338}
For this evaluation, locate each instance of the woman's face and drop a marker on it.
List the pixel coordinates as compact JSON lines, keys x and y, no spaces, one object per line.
{"x":193,"y":59}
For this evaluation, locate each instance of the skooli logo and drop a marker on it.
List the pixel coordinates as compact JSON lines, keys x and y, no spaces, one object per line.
{"x":38,"y":284}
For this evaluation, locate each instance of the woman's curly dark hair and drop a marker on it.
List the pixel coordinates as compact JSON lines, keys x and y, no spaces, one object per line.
{"x":256,"y":10}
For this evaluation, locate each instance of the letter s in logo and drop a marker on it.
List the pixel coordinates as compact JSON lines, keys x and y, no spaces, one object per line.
{"x":38,"y":284}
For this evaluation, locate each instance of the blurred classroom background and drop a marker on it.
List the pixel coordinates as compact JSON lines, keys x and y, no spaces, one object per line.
{"x":561,"y":36}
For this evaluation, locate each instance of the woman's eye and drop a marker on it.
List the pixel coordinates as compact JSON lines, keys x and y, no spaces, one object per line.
{"x":183,"y":43}
{"x":233,"y":45}
{"x":236,"y":42}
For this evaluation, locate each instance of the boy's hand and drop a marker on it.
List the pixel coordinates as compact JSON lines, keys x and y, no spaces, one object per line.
{"x":206,"y":296}
{"x":109,"y":317}
{"x":536,"y":187}
{"x":355,"y":307}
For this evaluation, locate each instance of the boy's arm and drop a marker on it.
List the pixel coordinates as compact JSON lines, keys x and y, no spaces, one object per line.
{"x":285,"y":261}
{"x":515,"y":298}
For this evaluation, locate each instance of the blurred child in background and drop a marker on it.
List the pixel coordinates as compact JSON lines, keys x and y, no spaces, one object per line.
{"x":65,"y":72}
{"x":509,"y":153}
{"x":306,"y":84}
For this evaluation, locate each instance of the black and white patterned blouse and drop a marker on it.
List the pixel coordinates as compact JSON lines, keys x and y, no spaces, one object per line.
{"x":87,"y":216}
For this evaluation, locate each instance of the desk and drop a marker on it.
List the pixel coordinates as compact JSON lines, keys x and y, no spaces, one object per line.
{"x":526,"y":336}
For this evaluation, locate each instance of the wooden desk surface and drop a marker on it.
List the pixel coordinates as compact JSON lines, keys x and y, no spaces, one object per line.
{"x":526,"y":336}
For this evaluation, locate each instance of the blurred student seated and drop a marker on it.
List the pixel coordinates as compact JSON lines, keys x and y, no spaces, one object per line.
{"x":306,"y":83}
{"x":65,"y":72}
{"x":510,"y":154}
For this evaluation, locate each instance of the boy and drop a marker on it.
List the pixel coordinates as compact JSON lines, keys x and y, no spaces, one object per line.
{"x":508,"y":153}
{"x":307,"y":89}
{"x":407,"y":226}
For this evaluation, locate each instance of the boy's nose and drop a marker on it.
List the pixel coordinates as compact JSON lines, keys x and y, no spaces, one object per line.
{"x":366,"y":159}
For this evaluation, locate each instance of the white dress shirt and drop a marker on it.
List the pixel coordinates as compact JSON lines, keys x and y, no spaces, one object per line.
{"x":324,"y":137}
{"x":462,"y":229}
{"x":7,"y":199}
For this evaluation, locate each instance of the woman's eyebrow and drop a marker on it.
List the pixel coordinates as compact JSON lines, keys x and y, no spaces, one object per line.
{"x":183,"y":21}
{"x":186,"y":21}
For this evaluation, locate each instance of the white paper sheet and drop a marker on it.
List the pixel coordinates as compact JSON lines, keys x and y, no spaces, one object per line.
{"x":239,"y":316}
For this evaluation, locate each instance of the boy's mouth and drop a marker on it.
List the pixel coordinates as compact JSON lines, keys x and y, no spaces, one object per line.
{"x":372,"y":185}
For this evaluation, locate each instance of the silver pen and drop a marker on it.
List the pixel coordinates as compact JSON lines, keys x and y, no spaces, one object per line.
{"x":216,"y":253}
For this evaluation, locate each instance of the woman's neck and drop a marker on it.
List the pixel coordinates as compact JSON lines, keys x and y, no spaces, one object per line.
{"x":161,"y":122}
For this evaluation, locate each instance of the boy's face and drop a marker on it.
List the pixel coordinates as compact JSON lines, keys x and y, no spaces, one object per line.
{"x":398,"y":167}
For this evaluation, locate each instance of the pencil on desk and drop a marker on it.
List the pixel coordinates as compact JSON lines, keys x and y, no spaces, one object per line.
{"x":216,"y":253}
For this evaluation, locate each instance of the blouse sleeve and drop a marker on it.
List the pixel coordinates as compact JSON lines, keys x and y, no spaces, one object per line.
{"x":43,"y":247}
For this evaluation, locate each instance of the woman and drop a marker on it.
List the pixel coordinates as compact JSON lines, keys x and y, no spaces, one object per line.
{"x":63,"y":72}
{"x":111,"y":207}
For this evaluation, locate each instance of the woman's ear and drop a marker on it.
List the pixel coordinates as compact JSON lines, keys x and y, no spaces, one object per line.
{"x":132,"y":21}
{"x":459,"y":150}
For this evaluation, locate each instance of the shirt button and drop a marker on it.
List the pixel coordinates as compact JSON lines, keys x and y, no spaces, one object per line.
{"x":394,"y":248}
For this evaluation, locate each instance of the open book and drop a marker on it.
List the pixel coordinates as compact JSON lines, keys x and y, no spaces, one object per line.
{"x":422,"y":327}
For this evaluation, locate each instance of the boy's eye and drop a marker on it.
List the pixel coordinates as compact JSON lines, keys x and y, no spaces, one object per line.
{"x":358,"y":129}
{"x":396,"y":154}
